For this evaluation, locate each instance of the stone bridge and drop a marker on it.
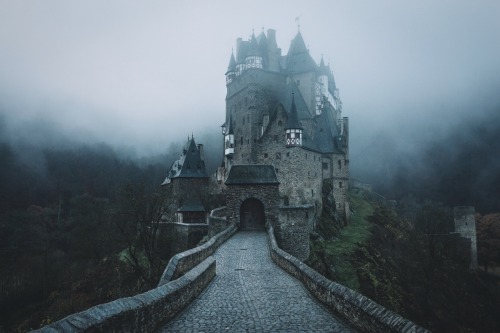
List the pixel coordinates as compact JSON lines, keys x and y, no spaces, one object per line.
{"x":251,"y":294}
{"x":257,"y":288}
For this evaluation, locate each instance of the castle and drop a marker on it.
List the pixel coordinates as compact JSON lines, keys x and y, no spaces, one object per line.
{"x":284,"y":138}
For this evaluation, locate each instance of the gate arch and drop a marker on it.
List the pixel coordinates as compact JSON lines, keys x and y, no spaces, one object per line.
{"x":252,"y":215}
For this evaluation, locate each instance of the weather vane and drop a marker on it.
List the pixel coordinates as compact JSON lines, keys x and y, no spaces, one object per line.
{"x":297,"y":20}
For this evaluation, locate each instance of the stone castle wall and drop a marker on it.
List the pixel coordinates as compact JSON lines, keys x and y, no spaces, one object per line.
{"x":267,"y":194}
{"x":292,"y":232}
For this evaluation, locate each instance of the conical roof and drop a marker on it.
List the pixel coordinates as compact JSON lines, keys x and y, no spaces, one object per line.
{"x":253,"y":50}
{"x":298,"y":45}
{"x":298,"y":59}
{"x":189,"y":165}
{"x":232,"y":64}
{"x":293,"y":121}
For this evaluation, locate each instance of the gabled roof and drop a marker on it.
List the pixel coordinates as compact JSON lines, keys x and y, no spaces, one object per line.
{"x":252,"y":174}
{"x":189,"y":165}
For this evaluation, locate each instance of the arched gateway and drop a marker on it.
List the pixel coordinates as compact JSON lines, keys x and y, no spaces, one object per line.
{"x":252,"y":196}
{"x":252,"y":215}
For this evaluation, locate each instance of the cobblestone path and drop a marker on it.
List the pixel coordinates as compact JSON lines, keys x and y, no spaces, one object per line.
{"x":251,"y":294}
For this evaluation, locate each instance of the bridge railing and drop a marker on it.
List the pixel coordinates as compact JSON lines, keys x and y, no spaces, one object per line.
{"x":184,"y":261}
{"x":360,"y":311}
{"x":186,"y":275}
{"x":145,"y":312}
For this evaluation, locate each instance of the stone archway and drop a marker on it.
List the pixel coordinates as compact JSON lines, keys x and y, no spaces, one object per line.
{"x":252,"y":215}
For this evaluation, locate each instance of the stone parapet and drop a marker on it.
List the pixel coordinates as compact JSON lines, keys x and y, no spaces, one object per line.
{"x":184,"y":261}
{"x":360,"y":311}
{"x":141,"y":313}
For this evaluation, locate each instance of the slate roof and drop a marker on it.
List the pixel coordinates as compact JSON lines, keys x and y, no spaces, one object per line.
{"x":232,"y":64}
{"x":252,"y":174}
{"x":189,"y":165}
{"x":298,"y":59}
{"x":293,"y":121}
{"x":300,"y":103}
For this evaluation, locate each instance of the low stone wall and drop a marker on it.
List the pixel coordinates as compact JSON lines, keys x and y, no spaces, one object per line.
{"x":141,"y":313}
{"x":217,"y":221}
{"x":184,"y":261}
{"x":360,"y":311}
{"x":175,"y":237}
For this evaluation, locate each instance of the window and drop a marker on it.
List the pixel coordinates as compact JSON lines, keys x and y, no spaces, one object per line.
{"x":288,"y":154}
{"x":306,"y":156}
{"x":265,"y":155}
{"x":325,"y":166}
{"x":340,"y":185}
{"x":280,"y":123}
{"x":340,"y":164}
{"x":312,"y":193}
{"x":278,"y":156}
{"x":276,"y":170}
{"x":241,"y":141}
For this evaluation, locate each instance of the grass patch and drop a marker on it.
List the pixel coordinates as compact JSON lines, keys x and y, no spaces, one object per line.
{"x":331,"y":258}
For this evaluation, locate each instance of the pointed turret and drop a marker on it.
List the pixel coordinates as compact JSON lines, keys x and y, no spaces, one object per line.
{"x":231,"y":69}
{"x":298,"y":58}
{"x":298,"y":45}
{"x":254,"y":57}
{"x":293,"y":128}
{"x":191,"y":164}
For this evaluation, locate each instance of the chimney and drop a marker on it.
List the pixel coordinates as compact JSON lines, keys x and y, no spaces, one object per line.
{"x":271,"y":37}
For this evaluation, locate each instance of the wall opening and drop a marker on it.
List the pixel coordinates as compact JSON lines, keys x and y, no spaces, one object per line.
{"x":252,"y":215}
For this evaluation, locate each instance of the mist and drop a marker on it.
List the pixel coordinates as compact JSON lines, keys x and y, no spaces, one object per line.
{"x":143,"y":77}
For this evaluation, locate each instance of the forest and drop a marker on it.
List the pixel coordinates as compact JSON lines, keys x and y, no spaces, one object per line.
{"x":74,"y":227}
{"x":71,"y":217}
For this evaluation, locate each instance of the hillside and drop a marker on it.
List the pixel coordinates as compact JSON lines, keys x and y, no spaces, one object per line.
{"x":403,"y":266}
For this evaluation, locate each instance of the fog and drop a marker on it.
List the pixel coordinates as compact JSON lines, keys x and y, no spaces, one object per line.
{"x":143,"y":75}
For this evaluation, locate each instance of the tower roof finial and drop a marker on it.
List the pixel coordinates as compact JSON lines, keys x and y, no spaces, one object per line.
{"x":297,"y":20}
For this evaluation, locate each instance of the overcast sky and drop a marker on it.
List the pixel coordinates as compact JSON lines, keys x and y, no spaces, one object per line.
{"x":145,"y":73}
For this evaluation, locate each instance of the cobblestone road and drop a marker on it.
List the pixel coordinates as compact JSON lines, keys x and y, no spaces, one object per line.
{"x":251,"y":294}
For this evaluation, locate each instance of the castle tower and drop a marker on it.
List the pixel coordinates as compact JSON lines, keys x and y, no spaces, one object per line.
{"x":465,"y":225}
{"x":188,"y":180}
{"x":284,"y":111}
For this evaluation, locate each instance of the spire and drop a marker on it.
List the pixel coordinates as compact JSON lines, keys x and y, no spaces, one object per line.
{"x":232,"y":63}
{"x":298,"y":45}
{"x":293,"y":121}
{"x":254,"y":47}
